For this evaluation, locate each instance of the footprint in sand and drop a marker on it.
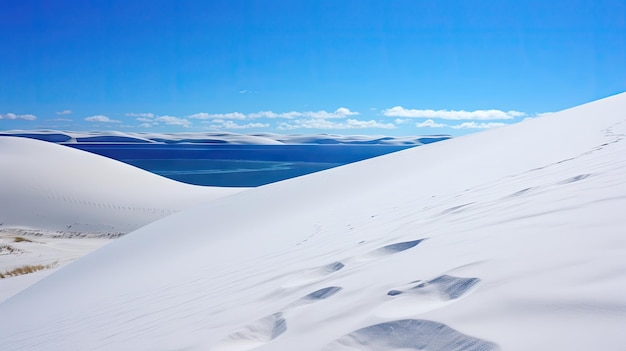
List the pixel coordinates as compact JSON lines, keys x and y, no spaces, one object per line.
{"x":575,"y":179}
{"x":455,"y":209}
{"x":318,"y":274}
{"x":315,"y":296}
{"x":313,"y":275}
{"x":409,"y":334}
{"x":520,"y":193}
{"x":264,"y":330}
{"x":390,"y":249}
{"x":255,"y":334}
{"x":425,"y":296}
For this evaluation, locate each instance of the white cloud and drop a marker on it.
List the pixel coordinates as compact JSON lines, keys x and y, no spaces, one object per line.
{"x":474,"y":125}
{"x":291,"y":115}
{"x":151,"y":120}
{"x":399,"y":111}
{"x":263,"y":114}
{"x":341,"y":112}
{"x":401,"y":121}
{"x":64,"y":112}
{"x":26,"y":117}
{"x":173,"y":121}
{"x":144,"y":115}
{"x":233,"y":125}
{"x":429,"y":123}
{"x":101,"y":119}
{"x":353,"y":123}
{"x":307,"y":124}
{"x":60,"y":120}
{"x":326,"y":124}
{"x":231,"y":115}
{"x":246,"y":91}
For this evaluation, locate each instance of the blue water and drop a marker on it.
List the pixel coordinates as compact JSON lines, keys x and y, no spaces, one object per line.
{"x":236,"y":165}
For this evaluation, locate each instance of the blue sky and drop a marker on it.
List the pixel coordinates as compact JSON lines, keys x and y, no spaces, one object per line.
{"x":348,"y":67}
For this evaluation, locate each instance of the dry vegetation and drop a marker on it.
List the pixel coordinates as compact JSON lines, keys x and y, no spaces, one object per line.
{"x":25,"y":270}
{"x":19,"y":239}
{"x":7,"y":249}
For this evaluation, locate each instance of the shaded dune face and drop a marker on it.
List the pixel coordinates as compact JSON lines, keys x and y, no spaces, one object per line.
{"x":269,"y":328}
{"x":394,"y":248}
{"x":318,"y":295}
{"x":423,"y":296}
{"x":448,"y":287}
{"x":255,"y":334}
{"x":409,"y":334}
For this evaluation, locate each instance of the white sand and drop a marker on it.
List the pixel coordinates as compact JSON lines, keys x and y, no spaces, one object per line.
{"x":510,"y":239}
{"x":49,"y":191}
{"x":56,"y":188}
{"x":37,"y":250}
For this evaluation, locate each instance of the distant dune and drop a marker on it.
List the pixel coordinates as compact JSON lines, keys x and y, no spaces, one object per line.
{"x":44,"y":186}
{"x":219,"y":138}
{"x":509,"y":239}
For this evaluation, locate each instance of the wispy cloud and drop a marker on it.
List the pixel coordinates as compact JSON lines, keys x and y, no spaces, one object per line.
{"x":101,"y":119}
{"x":233,"y":125}
{"x":231,"y":115}
{"x":326,"y":124}
{"x":341,"y":112}
{"x":429,"y":123}
{"x":27,"y":117}
{"x":263,"y":114}
{"x":246,"y":91}
{"x":64,"y":112}
{"x":145,"y":115}
{"x":399,"y":111}
{"x":149,"y":120}
{"x":357,"y":124}
{"x":474,"y":125}
{"x":173,"y":121}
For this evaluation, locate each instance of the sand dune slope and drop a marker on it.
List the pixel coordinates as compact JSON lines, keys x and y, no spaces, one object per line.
{"x":52,"y":187}
{"x":511,"y":239}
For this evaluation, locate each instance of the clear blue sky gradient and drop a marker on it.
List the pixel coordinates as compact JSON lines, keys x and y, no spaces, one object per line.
{"x":180,"y":58}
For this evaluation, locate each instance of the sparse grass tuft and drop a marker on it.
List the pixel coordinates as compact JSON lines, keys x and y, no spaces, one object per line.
{"x":8,"y":249}
{"x":25,"y":270}
{"x":19,"y":239}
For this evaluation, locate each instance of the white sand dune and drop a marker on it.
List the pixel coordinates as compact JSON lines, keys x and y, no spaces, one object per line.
{"x":57,"y":188}
{"x":66,"y":137}
{"x":511,"y":239}
{"x":49,"y":191}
